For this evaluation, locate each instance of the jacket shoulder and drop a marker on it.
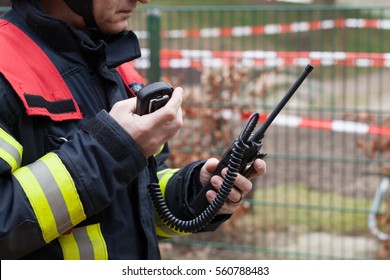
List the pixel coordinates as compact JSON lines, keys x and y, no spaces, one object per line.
{"x":34,"y":77}
{"x":11,"y":107}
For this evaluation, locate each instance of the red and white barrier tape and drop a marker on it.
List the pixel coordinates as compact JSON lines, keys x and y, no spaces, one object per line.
{"x":329,"y":125}
{"x":272,"y":29}
{"x":218,"y":59}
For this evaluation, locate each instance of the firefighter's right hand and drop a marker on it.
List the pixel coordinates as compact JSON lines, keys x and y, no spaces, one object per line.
{"x":153,"y":130}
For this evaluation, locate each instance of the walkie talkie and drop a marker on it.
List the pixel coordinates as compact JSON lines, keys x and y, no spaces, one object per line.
{"x":238,"y":158}
{"x":251,"y":144}
{"x":152,"y":97}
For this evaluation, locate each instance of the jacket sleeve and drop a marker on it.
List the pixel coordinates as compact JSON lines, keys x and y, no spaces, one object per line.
{"x":179,"y":187}
{"x":44,"y":199}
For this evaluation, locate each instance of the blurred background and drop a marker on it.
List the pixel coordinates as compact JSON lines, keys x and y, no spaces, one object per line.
{"x":326,"y":193}
{"x":329,"y":150}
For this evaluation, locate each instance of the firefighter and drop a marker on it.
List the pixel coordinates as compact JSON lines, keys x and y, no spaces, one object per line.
{"x":75,"y":160}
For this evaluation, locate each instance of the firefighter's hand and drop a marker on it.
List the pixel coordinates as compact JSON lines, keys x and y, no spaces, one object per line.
{"x":242,"y":184}
{"x":153,"y":130}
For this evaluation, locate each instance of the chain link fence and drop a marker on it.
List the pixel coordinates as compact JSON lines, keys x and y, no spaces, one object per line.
{"x":328,"y":150}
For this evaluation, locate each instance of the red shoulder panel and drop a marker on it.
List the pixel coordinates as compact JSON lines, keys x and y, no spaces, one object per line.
{"x":131,"y":78}
{"x":34,"y":77}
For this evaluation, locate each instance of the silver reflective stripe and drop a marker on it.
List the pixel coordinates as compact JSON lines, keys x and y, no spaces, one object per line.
{"x":84,"y":243}
{"x":11,"y":150}
{"x":53,"y":195}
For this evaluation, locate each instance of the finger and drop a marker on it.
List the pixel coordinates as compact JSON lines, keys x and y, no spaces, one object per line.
{"x":132,"y":104}
{"x":211,"y":195}
{"x":216,"y":182}
{"x":259,"y":168}
{"x":227,"y":208}
{"x":211,"y":165}
{"x":172,"y":110}
{"x":235,"y":196}
{"x":242,"y":184}
{"x":176,"y":99}
{"x":208,"y":170}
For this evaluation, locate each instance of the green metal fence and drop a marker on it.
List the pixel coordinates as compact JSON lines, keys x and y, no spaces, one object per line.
{"x":328,"y":151}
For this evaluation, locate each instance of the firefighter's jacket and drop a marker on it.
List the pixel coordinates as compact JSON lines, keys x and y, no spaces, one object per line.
{"x":73,"y":182}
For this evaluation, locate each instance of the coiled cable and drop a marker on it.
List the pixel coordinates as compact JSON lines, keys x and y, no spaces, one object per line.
{"x":198,"y":223}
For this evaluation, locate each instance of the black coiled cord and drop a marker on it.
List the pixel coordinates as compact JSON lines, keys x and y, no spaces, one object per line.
{"x":233,"y":168}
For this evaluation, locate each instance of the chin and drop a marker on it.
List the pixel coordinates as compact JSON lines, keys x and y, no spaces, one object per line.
{"x":112,"y":25}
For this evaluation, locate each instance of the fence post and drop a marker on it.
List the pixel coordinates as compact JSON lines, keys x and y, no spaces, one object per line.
{"x":154,"y":44}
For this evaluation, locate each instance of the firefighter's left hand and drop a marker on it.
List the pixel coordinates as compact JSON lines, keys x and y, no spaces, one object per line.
{"x":242,"y":184}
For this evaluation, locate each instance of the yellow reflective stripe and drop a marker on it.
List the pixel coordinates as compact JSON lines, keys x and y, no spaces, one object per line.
{"x":67,"y":188}
{"x":162,"y":229}
{"x":52,"y":194}
{"x":98,"y":242}
{"x":39,"y":203}
{"x":10,"y":150}
{"x":84,"y":243}
{"x":161,"y":233}
{"x":164,"y":176}
{"x":159,"y":151}
{"x":69,"y":247}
